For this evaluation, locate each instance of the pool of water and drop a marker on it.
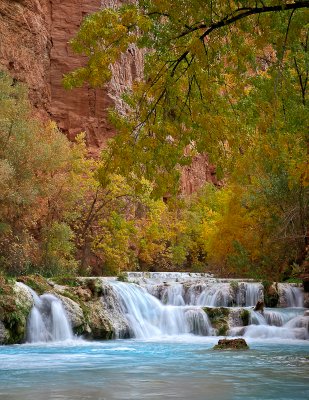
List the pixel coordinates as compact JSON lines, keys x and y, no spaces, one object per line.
{"x":170,"y":368}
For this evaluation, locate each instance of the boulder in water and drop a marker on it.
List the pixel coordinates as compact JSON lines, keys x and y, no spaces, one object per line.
{"x":259,"y":306}
{"x":231,"y":344}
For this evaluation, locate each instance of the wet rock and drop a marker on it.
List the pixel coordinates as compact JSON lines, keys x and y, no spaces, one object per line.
{"x":74,"y":313}
{"x":235,"y":317}
{"x":305,"y":279}
{"x":15,"y":305}
{"x":99,"y":323}
{"x":219,"y":318}
{"x":271,"y":295}
{"x":290,"y":295}
{"x":4,"y":334}
{"x":23,"y":297}
{"x":259,"y":306}
{"x":306,"y":313}
{"x":306,"y":299}
{"x":231,"y":344}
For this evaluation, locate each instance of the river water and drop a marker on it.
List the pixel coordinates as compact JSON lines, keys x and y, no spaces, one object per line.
{"x":181,"y":367}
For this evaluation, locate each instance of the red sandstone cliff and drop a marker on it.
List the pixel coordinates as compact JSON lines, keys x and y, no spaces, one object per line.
{"x":25,"y":46}
{"x":34,"y":48}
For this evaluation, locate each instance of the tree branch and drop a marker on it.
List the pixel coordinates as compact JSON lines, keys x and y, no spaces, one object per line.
{"x":241,"y":13}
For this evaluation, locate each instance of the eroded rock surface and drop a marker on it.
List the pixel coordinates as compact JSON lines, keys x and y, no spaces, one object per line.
{"x":34,"y":49}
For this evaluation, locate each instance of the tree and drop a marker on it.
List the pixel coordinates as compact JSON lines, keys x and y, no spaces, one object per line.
{"x":203,"y":58}
{"x":38,"y":188}
{"x":227,"y":78}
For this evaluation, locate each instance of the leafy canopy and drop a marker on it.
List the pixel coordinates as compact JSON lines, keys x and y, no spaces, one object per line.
{"x":213,"y":69}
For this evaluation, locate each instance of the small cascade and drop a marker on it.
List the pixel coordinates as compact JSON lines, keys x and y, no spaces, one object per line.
{"x":47,"y":321}
{"x":276,"y":324}
{"x":253,"y":293}
{"x":274,"y":318}
{"x":173,"y":295}
{"x":148,"y":317}
{"x":210,"y":294}
{"x":291,"y":296}
{"x":198,"y":322}
{"x":257,"y":318}
{"x":216,"y":296}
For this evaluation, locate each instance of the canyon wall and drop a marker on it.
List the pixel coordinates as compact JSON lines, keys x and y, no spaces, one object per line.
{"x":34,"y":48}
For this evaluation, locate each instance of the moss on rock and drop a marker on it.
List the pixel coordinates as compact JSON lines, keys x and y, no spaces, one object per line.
{"x":36,"y":282}
{"x":245,"y":317}
{"x":218,"y":318}
{"x":231,"y":344}
{"x":271,"y":294}
{"x":14,"y":310}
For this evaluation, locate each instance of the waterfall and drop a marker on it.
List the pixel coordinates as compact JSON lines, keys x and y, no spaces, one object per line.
{"x":154,"y":309}
{"x":291,"y":296}
{"x":47,"y":321}
{"x":280,"y":324}
{"x":148,"y":317}
{"x":210,"y":294}
{"x":175,"y":307}
{"x":173,"y":295}
{"x":254,"y":293}
{"x":274,"y":318}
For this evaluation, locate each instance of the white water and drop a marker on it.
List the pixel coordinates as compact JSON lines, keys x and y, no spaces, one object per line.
{"x":290,"y":296}
{"x":173,"y":309}
{"x":148,"y":317}
{"x":158,"y":310}
{"x":209,"y":293}
{"x":47,"y":321}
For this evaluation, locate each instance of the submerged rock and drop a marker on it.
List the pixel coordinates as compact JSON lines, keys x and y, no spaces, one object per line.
{"x":231,"y":344}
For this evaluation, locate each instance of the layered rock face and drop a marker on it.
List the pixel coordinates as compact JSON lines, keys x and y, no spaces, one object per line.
{"x":195,"y":175}
{"x":34,"y":48}
{"x":25,"y":46}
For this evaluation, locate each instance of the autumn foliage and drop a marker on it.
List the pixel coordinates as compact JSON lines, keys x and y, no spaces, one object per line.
{"x":225,"y":78}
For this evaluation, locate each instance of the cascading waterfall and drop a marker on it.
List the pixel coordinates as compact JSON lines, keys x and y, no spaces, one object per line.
{"x":47,"y":321}
{"x":210,"y":294}
{"x":175,"y":307}
{"x":280,"y":323}
{"x":291,"y":295}
{"x":148,"y":317}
